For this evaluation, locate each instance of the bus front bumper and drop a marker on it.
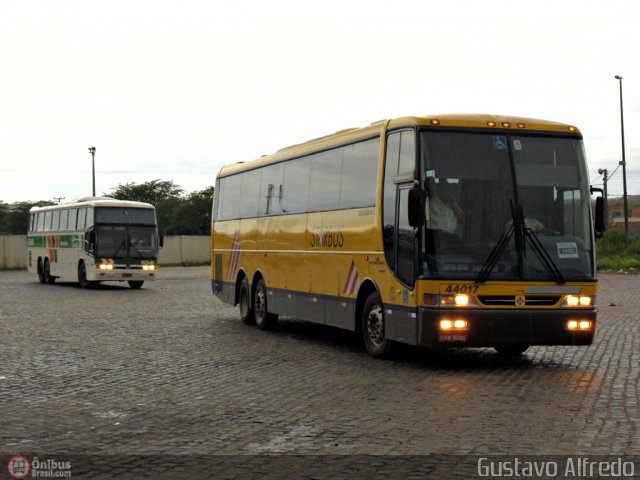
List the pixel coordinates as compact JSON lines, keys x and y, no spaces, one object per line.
{"x":122,"y":275}
{"x":493,"y":327}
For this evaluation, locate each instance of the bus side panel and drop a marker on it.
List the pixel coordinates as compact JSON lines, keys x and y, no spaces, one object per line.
{"x":225,"y":258}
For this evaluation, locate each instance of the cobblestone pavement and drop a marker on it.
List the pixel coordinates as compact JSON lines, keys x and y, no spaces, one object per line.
{"x":169,"y":371}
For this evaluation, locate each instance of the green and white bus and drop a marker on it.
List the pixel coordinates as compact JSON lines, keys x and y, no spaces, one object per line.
{"x":93,"y":240}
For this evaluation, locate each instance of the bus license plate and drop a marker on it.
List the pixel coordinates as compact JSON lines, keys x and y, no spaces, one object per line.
{"x":454,"y":337}
{"x":127,"y":275}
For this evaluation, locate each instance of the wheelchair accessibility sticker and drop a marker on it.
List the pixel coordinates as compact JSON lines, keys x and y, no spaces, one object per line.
{"x":499,"y":142}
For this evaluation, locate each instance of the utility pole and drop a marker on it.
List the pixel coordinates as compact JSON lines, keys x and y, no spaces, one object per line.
{"x":624,"y":170}
{"x":58,"y":199}
{"x":92,"y":151}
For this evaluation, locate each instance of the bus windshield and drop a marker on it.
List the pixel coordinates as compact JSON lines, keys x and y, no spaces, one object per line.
{"x":120,"y":215}
{"x":120,"y":241}
{"x":512,"y":207}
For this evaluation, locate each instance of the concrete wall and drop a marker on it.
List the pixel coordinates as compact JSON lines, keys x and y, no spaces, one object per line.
{"x":187,"y":250}
{"x":13,"y":251}
{"x":177,"y":250}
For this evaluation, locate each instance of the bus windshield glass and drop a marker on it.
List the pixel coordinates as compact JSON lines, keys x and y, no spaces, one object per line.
{"x":499,"y":206}
{"x":123,"y":215}
{"x":120,"y":241}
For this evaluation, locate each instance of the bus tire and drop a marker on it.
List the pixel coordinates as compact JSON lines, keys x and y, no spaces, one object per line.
{"x":373,"y":327}
{"x":82,"y":276}
{"x":247,"y":314}
{"x":41,"y":272}
{"x":264,"y":320}
{"x":509,"y":351}
{"x":135,"y":284}
{"x":48,"y":278}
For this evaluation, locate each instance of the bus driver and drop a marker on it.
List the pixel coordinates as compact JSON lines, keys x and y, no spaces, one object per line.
{"x":444,"y":213}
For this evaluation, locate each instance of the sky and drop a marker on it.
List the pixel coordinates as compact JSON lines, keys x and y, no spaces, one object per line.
{"x":174,"y":90}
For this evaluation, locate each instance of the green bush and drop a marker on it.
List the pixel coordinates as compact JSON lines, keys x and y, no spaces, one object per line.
{"x":612,"y":254}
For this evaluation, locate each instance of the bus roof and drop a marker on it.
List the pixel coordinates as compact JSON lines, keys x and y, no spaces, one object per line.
{"x":94,"y":202}
{"x":349,"y":135}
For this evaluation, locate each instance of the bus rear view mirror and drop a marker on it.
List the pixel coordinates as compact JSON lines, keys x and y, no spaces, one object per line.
{"x":599,"y":220}
{"x":417,"y":201}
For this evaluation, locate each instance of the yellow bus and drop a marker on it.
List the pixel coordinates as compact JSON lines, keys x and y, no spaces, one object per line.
{"x":439,"y":231}
{"x":94,"y":240}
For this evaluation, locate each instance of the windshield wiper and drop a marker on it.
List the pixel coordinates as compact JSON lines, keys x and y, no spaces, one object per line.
{"x":115,"y":254}
{"x":544,"y":256}
{"x":495,"y":254}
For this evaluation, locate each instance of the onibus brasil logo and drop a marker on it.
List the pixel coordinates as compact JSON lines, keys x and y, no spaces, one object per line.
{"x":20,"y":466}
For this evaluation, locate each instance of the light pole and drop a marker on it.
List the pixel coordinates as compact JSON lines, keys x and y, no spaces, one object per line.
{"x":624,"y":170}
{"x":92,"y":151}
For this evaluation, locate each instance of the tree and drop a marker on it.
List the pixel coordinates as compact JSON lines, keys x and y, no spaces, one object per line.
{"x":153,"y":192}
{"x":4,"y":210}
{"x":192,"y":216}
{"x":14,"y":218}
{"x":177,"y":214}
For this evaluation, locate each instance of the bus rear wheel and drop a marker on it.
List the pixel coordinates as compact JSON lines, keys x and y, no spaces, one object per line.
{"x":48,"y":278}
{"x":135,"y":284}
{"x":373,"y":328}
{"x":41,"y":272}
{"x":247,"y":315}
{"x":264,"y":320}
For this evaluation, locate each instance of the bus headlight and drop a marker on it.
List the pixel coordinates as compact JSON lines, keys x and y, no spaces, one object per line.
{"x":573,"y":301}
{"x":105,"y":266}
{"x":148,"y":267}
{"x":457,"y":300}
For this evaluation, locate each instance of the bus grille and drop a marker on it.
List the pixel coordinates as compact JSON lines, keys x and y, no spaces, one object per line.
{"x":510,"y":300}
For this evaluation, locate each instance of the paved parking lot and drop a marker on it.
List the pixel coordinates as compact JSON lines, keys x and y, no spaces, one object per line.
{"x":169,"y":372}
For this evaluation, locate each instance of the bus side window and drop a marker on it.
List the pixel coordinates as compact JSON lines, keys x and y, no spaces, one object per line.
{"x":40,"y":224}
{"x":56,"y":221}
{"x":73,"y":216}
{"x":82,"y":214}
{"x":47,"y":221}
{"x":89,"y":222}
{"x":64,"y":217}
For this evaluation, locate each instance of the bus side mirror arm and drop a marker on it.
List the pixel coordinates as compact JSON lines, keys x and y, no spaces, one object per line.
{"x":416,"y":207}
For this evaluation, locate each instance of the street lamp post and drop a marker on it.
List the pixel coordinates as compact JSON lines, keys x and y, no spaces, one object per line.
{"x":624,"y":170}
{"x":92,"y":151}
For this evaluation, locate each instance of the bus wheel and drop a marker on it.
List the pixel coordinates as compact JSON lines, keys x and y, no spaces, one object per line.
{"x":373,"y":328}
{"x":47,"y":273}
{"x":264,"y":319}
{"x":511,"y":350}
{"x":82,"y":276}
{"x":246,"y":312}
{"x":41,"y":272}
{"x":135,"y":284}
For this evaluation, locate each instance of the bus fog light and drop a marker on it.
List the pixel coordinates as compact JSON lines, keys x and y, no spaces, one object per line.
{"x":457,"y":324}
{"x":583,"y":325}
{"x":460,"y":324}
{"x":446,"y":324}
